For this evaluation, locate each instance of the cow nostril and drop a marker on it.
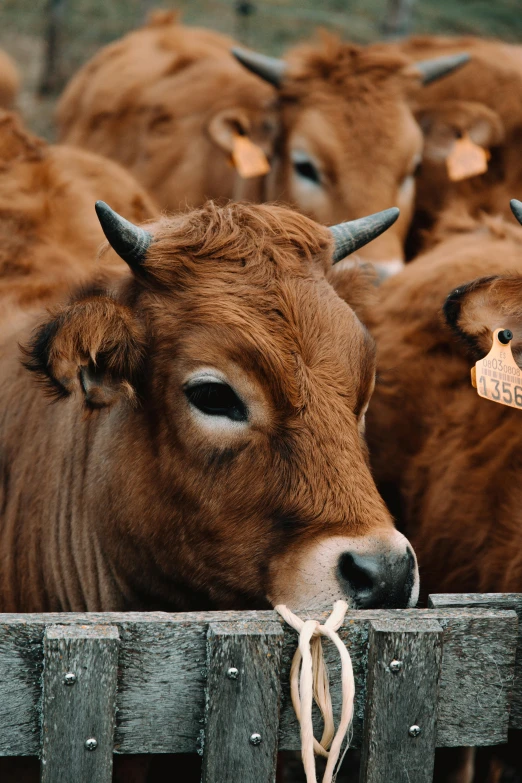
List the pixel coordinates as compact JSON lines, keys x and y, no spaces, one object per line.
{"x":374,"y":581}
{"x":358,"y":571}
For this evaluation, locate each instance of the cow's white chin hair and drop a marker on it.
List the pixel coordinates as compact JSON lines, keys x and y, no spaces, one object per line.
{"x":309,"y":579}
{"x":384,"y":269}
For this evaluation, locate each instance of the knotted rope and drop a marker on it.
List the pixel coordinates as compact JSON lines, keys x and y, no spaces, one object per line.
{"x":312,"y":683}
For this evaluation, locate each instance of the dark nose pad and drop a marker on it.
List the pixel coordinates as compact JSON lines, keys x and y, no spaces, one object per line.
{"x":377,"y":581}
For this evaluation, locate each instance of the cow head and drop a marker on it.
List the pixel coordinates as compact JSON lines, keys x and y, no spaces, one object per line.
{"x":443,"y":123}
{"x":237,"y":382}
{"x":476,"y":309}
{"x":350,"y":139}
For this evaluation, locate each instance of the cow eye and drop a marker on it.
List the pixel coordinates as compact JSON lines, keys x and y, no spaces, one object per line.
{"x":216,"y":399}
{"x":308,"y":171}
{"x":305,"y":167}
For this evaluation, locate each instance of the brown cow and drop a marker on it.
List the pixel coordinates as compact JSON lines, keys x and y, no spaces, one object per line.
{"x":349,"y":138}
{"x":49,"y":234}
{"x":484,"y":101}
{"x":166,"y":99}
{"x":231,"y":469}
{"x":9,"y":81}
{"x":448,"y":461}
{"x":441,"y":454}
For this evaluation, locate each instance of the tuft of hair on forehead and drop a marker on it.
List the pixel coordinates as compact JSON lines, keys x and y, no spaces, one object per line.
{"x":16,"y":143}
{"x":341,"y":65}
{"x":269,"y":236}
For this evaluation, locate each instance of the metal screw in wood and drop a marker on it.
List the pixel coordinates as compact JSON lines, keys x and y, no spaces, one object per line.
{"x":395,"y":666}
{"x":255,"y":739}
{"x":233,"y":673}
{"x":69,"y":678}
{"x":414,"y":731}
{"x":91,"y":743}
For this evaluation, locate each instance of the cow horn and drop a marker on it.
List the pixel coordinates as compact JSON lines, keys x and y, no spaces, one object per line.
{"x":270,"y":69}
{"x":129,"y":241}
{"x":516,"y":208}
{"x":434,"y":69}
{"x":354,"y":234}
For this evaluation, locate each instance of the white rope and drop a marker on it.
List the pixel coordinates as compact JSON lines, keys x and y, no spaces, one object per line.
{"x":312,"y":683}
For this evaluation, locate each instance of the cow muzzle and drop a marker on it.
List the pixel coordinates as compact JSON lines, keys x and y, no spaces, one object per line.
{"x":368,"y":572}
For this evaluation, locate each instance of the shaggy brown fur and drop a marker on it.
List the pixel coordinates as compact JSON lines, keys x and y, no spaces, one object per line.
{"x":164,"y":101}
{"x":483,"y":99}
{"x":9,"y":81}
{"x":449,"y":459}
{"x":49,"y":233}
{"x":138,"y":506}
{"x":151,"y":101}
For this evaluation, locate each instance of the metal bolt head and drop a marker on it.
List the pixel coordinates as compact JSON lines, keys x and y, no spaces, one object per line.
{"x":69,"y":678}
{"x":255,"y":739}
{"x":233,"y":673}
{"x":414,"y":731}
{"x":395,"y":666}
{"x":91,"y":743}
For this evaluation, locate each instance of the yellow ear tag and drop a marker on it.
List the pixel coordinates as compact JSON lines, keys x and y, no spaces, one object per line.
{"x":466,"y":159}
{"x":248,"y":158}
{"x":497,"y":376}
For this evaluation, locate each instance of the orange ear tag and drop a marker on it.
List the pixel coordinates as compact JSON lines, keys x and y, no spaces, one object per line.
{"x":466,"y":159}
{"x":497,"y":376}
{"x":248,"y":158}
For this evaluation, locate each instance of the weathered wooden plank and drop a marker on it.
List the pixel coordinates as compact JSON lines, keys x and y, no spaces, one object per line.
{"x":404,"y":662}
{"x":473,"y":699}
{"x":493,"y":601}
{"x":160,"y":698}
{"x":242,"y":702}
{"x":20,"y":688}
{"x":79,"y":700}
{"x":477,"y":671}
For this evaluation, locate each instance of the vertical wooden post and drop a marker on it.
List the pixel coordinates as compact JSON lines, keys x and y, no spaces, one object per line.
{"x":245,"y":10}
{"x":397,"y":22}
{"x":401,"y":701}
{"x":242,"y":708}
{"x":79,"y":694}
{"x":52,"y":75}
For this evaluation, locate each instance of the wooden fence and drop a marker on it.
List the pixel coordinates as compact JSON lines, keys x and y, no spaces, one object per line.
{"x":74,"y":688}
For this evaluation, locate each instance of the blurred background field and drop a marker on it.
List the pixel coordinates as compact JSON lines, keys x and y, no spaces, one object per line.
{"x":83,"y":26}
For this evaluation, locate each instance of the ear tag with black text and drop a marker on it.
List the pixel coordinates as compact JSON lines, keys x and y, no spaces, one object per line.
{"x":497,"y":376}
{"x":248,"y":159}
{"x":466,"y":159}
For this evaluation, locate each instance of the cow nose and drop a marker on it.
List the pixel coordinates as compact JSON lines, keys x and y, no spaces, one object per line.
{"x":377,"y":581}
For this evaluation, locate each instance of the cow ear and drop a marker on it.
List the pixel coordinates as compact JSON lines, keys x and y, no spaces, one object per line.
{"x":475,"y":310}
{"x":445,"y":122}
{"x":226,"y":125}
{"x":94,"y":346}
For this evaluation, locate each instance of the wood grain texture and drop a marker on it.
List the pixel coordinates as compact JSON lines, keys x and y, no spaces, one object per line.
{"x":238,"y":708}
{"x":161,"y":678}
{"x":510,"y":601}
{"x":398,"y":700}
{"x":72,"y":714}
{"x":21,"y":665}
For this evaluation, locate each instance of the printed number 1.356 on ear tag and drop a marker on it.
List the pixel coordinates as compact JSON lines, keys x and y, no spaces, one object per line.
{"x":497,"y":376}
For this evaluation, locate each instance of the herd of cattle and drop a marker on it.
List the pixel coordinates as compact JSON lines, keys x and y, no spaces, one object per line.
{"x":212,"y":368}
